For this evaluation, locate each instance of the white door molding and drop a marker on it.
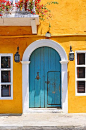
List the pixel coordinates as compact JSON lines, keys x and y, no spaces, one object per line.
{"x":25,"y":72}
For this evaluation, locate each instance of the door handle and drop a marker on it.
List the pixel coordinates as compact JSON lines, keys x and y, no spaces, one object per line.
{"x":37,"y":77}
{"x":47,"y":82}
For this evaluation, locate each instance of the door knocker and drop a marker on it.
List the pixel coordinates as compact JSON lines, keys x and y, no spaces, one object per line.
{"x":37,"y":77}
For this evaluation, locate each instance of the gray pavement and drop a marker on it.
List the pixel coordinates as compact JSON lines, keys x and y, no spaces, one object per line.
{"x":43,"y":128}
{"x":44,"y":121}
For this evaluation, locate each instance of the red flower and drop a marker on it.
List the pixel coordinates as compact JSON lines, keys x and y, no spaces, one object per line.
{"x":16,"y":5}
{"x":0,"y":14}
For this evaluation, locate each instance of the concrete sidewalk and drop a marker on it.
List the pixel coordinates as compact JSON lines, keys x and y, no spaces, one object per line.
{"x":42,"y":120}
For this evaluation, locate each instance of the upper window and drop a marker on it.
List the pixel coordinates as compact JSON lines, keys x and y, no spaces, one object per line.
{"x":6,"y":78}
{"x":80,"y":73}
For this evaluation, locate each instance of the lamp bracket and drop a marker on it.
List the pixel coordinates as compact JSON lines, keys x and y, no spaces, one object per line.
{"x":70,"y":48}
{"x":18,"y":49}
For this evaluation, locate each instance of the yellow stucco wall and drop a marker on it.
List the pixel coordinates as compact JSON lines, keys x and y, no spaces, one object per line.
{"x":75,"y":103}
{"x":68,"y":17}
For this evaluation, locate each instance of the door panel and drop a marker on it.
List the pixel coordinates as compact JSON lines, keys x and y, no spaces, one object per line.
{"x":53,"y":88}
{"x":45,"y":62}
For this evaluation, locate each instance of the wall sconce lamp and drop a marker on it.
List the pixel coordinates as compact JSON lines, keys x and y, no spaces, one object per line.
{"x":71,"y":54}
{"x":48,"y":34}
{"x":17,"y":56}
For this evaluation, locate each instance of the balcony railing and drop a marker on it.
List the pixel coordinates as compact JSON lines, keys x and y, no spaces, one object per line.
{"x":16,"y":14}
{"x":17,"y":9}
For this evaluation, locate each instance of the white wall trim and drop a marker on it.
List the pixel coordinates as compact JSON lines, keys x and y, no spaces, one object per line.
{"x":25,"y":72}
{"x":25,"y":62}
{"x":44,"y":42}
{"x":64,"y":62}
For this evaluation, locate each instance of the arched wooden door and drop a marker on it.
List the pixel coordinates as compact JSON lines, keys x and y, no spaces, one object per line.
{"x":45,"y":78}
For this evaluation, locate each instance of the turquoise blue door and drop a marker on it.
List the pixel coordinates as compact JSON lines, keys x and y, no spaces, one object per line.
{"x":45,"y":79}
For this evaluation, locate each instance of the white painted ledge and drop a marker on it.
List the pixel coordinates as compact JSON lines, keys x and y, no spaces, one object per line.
{"x":24,"y":20}
{"x":64,"y":62}
{"x":25,"y":62}
{"x":45,"y":110}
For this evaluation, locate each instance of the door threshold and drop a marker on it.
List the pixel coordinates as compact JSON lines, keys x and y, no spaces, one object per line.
{"x":45,"y":110}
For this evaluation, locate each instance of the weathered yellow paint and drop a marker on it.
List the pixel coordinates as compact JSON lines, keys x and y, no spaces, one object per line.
{"x":10,"y":31}
{"x":68,"y":17}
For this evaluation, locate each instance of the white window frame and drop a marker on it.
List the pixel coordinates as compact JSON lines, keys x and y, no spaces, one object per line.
{"x":79,"y":79}
{"x":10,"y":83}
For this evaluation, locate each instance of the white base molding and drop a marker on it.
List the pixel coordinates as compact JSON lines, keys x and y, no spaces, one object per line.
{"x":45,"y":110}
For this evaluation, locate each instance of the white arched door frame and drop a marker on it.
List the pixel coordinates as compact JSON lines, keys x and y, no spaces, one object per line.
{"x":25,"y":72}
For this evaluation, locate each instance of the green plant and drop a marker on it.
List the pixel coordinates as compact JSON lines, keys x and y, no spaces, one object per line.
{"x":42,"y":10}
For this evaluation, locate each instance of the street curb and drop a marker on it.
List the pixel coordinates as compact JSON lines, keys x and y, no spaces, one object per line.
{"x":42,"y":128}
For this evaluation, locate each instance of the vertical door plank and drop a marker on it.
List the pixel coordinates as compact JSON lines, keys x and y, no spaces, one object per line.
{"x":49,"y":59}
{"x":52,"y":59}
{"x":46,"y":62}
{"x":50,"y":89}
{"x":57,"y":64}
{"x":42,"y":84}
{"x":37,"y":82}
{"x":57,"y":95}
{"x":32,"y":84}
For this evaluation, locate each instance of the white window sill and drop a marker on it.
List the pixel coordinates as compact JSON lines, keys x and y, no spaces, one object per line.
{"x":80,"y":79}
{"x":80,"y":94}
{"x":20,"y":19}
{"x":6,"y":98}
